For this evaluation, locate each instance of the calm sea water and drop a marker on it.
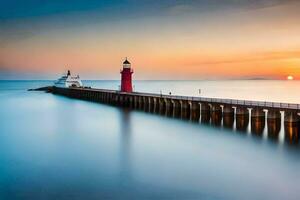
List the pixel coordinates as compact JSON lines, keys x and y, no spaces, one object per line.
{"x":53,"y":147}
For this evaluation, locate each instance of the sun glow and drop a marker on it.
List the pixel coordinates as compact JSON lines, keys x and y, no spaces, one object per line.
{"x":290,"y":77}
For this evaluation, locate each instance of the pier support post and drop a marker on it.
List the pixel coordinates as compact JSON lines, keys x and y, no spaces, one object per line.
{"x":141,"y":103}
{"x":80,"y":94}
{"x":291,"y":126}
{"x":242,"y":118}
{"x":121,"y":100}
{"x":136,"y":102}
{"x":103,"y":97}
{"x":273,"y":123}
{"x":156,"y":105}
{"x":151,"y":104}
{"x":216,"y":114}
{"x":162,"y":106}
{"x":117,"y":99}
{"x":91,"y":96}
{"x":126,"y":100}
{"x":228,"y":116}
{"x":99,"y":96}
{"x":205,"y":113}
{"x":176,"y":108}
{"x":146,"y":104}
{"x":83,"y":93}
{"x":131,"y":101}
{"x":195,"y":111}
{"x":185,"y":109}
{"x":70,"y":93}
{"x":257,"y":121}
{"x":169,"y":107}
{"x":96,"y":96}
{"x":110,"y":98}
{"x":113,"y":99}
{"x":67,"y":93}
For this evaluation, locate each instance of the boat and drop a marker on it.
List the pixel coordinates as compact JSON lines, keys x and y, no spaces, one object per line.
{"x":68,"y":81}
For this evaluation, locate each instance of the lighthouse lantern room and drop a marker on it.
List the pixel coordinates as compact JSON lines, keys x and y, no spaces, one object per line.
{"x":126,"y":77}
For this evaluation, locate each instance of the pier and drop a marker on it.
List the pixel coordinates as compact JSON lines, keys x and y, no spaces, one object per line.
{"x":216,"y":111}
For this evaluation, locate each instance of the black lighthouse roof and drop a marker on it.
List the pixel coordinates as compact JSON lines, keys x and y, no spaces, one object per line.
{"x":126,"y":62}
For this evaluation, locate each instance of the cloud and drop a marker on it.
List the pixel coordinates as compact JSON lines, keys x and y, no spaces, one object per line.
{"x":8,"y":35}
{"x":260,"y":4}
{"x":254,"y":57}
{"x":185,"y":7}
{"x":181,"y":9}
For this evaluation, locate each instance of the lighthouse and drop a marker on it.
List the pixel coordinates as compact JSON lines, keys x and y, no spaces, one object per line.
{"x":126,"y":77}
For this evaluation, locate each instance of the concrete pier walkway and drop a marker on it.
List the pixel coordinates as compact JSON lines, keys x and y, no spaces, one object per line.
{"x":208,"y":110}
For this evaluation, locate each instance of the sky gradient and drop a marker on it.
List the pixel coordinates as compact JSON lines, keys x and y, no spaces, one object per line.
{"x":167,"y":39}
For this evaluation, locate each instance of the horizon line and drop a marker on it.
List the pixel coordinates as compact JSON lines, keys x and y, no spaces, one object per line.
{"x":235,"y":79}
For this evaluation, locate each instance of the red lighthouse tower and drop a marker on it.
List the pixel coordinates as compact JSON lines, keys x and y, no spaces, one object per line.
{"x":126,"y":77}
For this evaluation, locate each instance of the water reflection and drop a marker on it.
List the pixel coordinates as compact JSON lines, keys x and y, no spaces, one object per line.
{"x":228,"y":117}
{"x":269,"y":126}
{"x":205,"y":118}
{"x":257,"y":125}
{"x":228,"y":121}
{"x":216,"y":118}
{"x":242,"y":122}
{"x":274,"y":127}
{"x":125,"y":149}
{"x":265,"y":126}
{"x":292,"y":132}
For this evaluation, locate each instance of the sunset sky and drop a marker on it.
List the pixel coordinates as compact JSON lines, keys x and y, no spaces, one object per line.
{"x":164,"y":39}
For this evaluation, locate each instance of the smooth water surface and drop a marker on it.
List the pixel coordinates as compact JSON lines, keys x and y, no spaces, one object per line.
{"x":53,"y":147}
